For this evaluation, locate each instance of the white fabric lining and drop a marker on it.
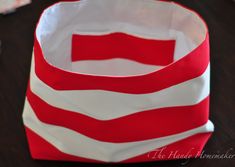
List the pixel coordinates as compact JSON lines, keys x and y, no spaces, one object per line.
{"x":113,"y":67}
{"x":143,"y":18}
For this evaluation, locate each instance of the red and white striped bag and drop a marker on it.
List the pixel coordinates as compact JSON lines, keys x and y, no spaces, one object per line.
{"x":118,"y":81}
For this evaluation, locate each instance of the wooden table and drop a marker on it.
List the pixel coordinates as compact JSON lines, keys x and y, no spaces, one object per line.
{"x":16,"y":34}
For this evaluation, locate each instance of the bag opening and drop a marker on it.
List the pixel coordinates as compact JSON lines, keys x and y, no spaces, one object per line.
{"x":116,"y":37}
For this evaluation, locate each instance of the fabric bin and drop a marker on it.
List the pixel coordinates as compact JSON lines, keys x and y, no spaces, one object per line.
{"x":118,"y":81}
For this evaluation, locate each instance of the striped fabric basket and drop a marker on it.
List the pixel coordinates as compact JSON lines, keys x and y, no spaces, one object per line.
{"x":118,"y":81}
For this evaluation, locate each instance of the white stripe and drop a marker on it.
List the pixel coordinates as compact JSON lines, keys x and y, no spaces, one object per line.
{"x":119,"y":66}
{"x":106,"y":105}
{"x":73,"y":143}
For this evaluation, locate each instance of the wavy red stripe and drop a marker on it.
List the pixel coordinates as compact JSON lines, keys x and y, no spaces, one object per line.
{"x":114,"y":45}
{"x":191,"y":66}
{"x":135,"y":127}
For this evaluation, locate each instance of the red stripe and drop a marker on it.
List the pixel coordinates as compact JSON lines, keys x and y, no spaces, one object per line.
{"x":189,"y":67}
{"x":121,"y":45}
{"x":41,"y":149}
{"x":135,"y":127}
